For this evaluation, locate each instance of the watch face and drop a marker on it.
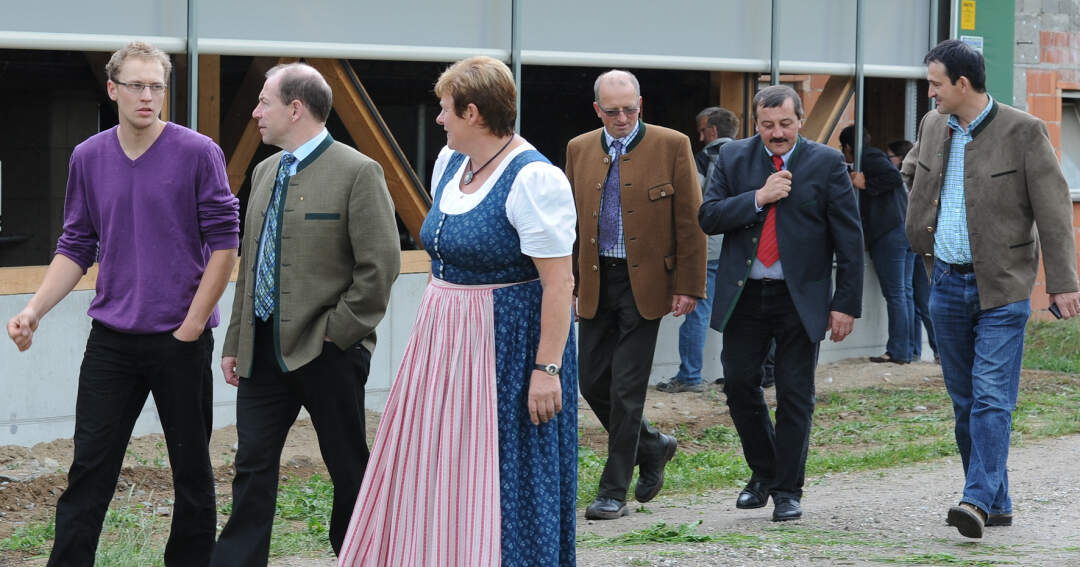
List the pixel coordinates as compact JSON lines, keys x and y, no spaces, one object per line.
{"x":552,"y":369}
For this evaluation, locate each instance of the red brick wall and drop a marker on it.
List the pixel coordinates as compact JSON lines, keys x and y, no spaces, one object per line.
{"x":1058,"y":69}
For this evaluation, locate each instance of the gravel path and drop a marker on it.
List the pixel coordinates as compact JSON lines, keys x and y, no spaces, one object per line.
{"x":890,"y":517}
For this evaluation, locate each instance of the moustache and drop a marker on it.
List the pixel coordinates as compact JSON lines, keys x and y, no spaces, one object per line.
{"x":777,"y":140}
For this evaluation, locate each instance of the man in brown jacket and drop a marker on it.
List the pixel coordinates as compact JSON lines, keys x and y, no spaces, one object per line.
{"x":983,"y":175}
{"x":640,"y":255}
{"x":320,"y":252}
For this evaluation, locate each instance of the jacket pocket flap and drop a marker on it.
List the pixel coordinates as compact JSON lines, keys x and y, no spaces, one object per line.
{"x":808,"y":203}
{"x":661,"y":192}
{"x":924,"y":166}
{"x":1022,"y":244}
{"x":1000,"y":173}
{"x":322,"y":216}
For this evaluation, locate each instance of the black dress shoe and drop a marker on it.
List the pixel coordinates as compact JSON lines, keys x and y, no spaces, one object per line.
{"x":606,"y":509}
{"x":998,"y":520}
{"x":651,"y":471}
{"x":752,"y":496}
{"x":787,"y":508}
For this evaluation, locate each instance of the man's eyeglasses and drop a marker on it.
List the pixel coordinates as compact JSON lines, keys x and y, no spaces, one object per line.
{"x":137,"y":88}
{"x":615,"y":112}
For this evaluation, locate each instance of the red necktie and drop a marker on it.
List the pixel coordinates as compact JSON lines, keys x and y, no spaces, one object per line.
{"x":768,"y":251}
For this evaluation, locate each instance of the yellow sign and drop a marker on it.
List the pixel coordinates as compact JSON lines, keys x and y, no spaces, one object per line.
{"x":967,"y":14}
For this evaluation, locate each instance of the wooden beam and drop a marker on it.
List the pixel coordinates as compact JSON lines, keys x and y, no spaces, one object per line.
{"x":828,"y":109}
{"x":240,"y":159}
{"x":235,"y":120}
{"x":372,"y":138}
{"x":728,"y":88}
{"x":210,"y":96}
{"x":240,"y":155}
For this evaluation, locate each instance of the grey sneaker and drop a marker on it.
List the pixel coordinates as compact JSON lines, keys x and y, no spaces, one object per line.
{"x":674,"y":386}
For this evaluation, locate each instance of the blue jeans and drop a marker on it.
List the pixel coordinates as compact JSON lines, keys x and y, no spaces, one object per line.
{"x":693,"y":330}
{"x":981,"y":351}
{"x":920,"y":287}
{"x":894,"y":262}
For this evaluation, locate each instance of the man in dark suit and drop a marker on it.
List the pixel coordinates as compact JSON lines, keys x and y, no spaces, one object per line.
{"x":638,"y":257}
{"x":320,"y":252}
{"x":785,"y":205}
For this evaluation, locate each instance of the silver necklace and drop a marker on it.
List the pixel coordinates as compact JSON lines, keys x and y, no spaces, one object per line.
{"x":469,"y":173}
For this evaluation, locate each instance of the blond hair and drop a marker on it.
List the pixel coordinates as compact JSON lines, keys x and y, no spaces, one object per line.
{"x":137,"y":49}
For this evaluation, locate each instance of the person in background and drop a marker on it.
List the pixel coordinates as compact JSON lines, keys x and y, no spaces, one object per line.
{"x":716,"y":126}
{"x":920,"y":282}
{"x":882,"y":206}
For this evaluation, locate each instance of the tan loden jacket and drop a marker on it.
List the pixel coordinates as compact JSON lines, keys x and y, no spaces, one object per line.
{"x":339,"y":255}
{"x":1012,"y":182}
{"x":665,"y":247}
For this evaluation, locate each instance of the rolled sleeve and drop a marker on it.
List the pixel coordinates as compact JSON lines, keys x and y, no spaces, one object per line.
{"x":219,"y":209}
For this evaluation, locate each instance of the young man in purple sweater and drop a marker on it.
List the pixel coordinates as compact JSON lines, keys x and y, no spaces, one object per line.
{"x":150,"y":202}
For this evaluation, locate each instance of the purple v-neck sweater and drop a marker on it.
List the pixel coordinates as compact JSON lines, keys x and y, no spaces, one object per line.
{"x":151,"y":224}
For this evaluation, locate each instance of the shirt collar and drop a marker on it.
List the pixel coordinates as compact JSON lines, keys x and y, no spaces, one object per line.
{"x":954,"y":122}
{"x":786,"y":156}
{"x":626,"y":140}
{"x":309,"y":146}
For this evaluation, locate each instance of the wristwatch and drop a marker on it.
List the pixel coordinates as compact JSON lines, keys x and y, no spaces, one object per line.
{"x":550,"y":369}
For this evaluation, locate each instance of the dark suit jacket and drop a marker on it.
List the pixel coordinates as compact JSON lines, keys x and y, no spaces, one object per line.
{"x":665,"y":250}
{"x":819,"y":217}
{"x":339,"y":254}
{"x":883,"y":204}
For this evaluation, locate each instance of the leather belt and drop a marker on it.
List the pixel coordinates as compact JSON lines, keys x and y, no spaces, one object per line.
{"x":611,"y":263}
{"x":767,"y":282}
{"x":960,"y":268}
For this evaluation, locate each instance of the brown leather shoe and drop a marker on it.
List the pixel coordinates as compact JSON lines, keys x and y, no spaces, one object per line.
{"x":967,"y":519}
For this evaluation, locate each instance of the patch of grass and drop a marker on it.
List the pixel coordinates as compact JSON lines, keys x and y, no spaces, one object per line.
{"x":302,"y":525}
{"x":1053,"y":345}
{"x":34,"y":538}
{"x":127,"y":538}
{"x":941,"y":559}
{"x":660,"y":533}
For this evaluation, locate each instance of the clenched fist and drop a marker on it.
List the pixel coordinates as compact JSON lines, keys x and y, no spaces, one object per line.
{"x":776,"y":187}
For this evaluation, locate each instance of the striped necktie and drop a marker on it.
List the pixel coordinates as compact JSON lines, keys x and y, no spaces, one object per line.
{"x":265,"y":296}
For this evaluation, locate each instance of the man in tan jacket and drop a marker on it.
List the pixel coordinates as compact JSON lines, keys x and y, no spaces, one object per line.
{"x":320,"y":252}
{"x":983,"y":176}
{"x":639,"y":256}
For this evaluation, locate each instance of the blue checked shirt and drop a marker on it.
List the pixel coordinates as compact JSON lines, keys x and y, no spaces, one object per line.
{"x":951,"y":243}
{"x":619,"y":249}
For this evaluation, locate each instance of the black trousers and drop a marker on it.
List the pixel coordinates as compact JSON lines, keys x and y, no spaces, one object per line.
{"x":776,"y":455}
{"x":118,"y":371}
{"x":331,"y":388}
{"x":616,"y":354}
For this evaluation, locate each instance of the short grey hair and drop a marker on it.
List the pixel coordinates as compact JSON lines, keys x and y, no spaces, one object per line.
{"x":724,"y":120}
{"x":774,"y":96}
{"x":617,"y":76}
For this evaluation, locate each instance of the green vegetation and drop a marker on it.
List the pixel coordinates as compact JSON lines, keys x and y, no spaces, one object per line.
{"x":33,"y":539}
{"x":656,"y":534}
{"x":1053,"y":345}
{"x":942,"y":559}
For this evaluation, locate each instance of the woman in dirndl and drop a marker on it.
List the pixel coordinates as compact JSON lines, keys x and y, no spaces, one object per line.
{"x":475,"y":460}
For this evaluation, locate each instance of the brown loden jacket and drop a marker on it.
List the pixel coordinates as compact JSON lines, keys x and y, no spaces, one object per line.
{"x":665,"y":247}
{"x":1012,"y":182}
